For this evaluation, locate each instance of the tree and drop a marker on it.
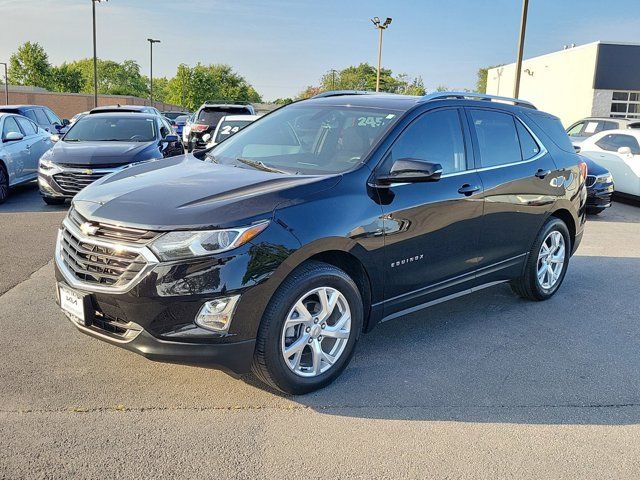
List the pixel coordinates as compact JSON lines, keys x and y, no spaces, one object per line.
{"x":283,"y":101}
{"x":192,"y":86}
{"x":363,"y":77}
{"x":66,"y":79}
{"x":113,"y":78}
{"x":30,"y":66}
{"x":481,"y":83}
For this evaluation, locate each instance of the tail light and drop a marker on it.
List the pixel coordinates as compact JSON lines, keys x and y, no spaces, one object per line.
{"x":198,"y":127}
{"x":583,"y":170}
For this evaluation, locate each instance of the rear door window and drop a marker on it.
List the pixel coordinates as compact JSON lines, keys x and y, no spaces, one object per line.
{"x":27,"y":126}
{"x":41,"y":118}
{"x":497,"y":137}
{"x":30,"y":114}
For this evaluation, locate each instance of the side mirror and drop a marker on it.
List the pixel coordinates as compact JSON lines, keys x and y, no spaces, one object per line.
{"x":170,"y":139}
{"x":13,"y":137}
{"x":577,"y":148}
{"x":411,"y":170}
{"x":624,"y":151}
{"x":206,"y":137}
{"x":65,"y":122}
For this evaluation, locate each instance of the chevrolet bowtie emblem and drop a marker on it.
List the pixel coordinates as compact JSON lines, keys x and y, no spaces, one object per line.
{"x":87,"y":172}
{"x":88,"y":229}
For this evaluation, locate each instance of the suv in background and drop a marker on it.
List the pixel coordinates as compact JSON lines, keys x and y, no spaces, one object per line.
{"x":228,"y":126}
{"x":327,"y":216}
{"x":40,"y":115}
{"x":586,"y":127}
{"x":208,"y":116}
{"x":173,"y":115}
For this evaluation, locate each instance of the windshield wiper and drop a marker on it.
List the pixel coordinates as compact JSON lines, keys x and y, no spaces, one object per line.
{"x":258,"y":165}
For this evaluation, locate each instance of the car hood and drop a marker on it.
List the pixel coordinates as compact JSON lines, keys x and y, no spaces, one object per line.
{"x":100,"y":153}
{"x":186,"y":193}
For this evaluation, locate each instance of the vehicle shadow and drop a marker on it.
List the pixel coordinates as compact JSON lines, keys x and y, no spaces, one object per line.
{"x":26,"y":198}
{"x":493,"y":357}
{"x":621,"y":211}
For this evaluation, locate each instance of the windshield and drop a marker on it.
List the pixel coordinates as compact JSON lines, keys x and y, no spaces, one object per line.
{"x":173,"y":115}
{"x":212,"y":115}
{"x":115,"y":129}
{"x":229,"y":127}
{"x":307,"y":139}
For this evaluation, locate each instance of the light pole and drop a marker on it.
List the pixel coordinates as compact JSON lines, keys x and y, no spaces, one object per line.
{"x":95,"y":56}
{"x":151,"y":42}
{"x":523,"y":29}
{"x":380,"y":27}
{"x":6,"y":83}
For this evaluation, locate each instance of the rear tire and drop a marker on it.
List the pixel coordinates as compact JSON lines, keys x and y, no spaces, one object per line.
{"x":4,"y":184}
{"x":53,"y":200}
{"x":547,"y":262}
{"x":309,"y":330}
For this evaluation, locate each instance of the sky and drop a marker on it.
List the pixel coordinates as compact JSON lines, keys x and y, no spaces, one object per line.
{"x":281,"y":46}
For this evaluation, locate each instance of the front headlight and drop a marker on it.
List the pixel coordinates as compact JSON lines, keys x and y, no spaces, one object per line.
{"x":605,"y":178}
{"x":189,"y":244}
{"x":47,"y":166}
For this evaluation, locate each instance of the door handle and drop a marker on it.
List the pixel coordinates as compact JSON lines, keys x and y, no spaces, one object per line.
{"x":542,"y":173}
{"x":467,"y":189}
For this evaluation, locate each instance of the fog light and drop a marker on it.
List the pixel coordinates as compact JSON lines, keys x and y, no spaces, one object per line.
{"x":216,"y":314}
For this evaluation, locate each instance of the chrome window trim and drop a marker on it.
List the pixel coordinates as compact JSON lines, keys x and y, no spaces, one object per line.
{"x":74,"y":282}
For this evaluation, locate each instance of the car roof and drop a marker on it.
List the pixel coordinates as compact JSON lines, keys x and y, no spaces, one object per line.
{"x":124,"y":114}
{"x":232,"y":118}
{"x":380,"y":100}
{"x":610,"y":119}
{"x":120,"y":108}
{"x":16,"y":107}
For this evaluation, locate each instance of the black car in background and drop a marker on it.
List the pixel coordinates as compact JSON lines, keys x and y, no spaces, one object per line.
{"x":99,"y":144}
{"x":309,"y":227}
{"x":599,"y":187}
{"x":206,"y":120}
{"x":172,"y":116}
{"x":42,"y":116}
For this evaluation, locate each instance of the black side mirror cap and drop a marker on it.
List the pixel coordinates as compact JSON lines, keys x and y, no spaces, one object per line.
{"x":411,"y":170}
{"x":65,"y":122}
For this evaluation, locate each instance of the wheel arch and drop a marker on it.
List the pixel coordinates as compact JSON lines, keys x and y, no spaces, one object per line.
{"x":565,"y":215}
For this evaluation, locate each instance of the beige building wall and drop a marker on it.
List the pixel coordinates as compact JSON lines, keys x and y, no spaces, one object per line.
{"x":560,"y":83}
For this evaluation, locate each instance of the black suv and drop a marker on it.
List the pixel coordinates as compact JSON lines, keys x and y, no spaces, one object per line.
{"x":307,"y":228}
{"x":41,"y":115}
{"x":206,"y":120}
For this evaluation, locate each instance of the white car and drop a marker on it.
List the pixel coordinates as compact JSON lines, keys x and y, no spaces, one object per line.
{"x":187,"y":129}
{"x":229,"y":125}
{"x":619,"y":152}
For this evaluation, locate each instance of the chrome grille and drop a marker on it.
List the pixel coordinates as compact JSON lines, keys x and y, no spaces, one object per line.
{"x":115,"y":232}
{"x":591,"y":179}
{"x":97,"y":264}
{"x":73,"y":182}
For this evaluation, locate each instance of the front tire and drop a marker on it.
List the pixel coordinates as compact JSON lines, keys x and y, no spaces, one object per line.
{"x":547,"y":262}
{"x":309,"y":329}
{"x":4,"y":184}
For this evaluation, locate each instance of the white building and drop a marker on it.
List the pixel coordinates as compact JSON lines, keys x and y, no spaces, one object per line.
{"x":600,"y":79}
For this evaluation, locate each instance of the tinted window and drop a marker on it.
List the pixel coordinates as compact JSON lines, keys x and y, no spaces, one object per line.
{"x":211,"y":116}
{"x":613,"y":142}
{"x":552,"y":127}
{"x":53,"y":118}
{"x":497,"y":137}
{"x":307,"y":139}
{"x":528,"y":146}
{"x":10,"y":125}
{"x":435,"y":137}
{"x":114,"y":129}
{"x":41,"y":118}
{"x":229,"y":127}
{"x":27,"y":127}
{"x":30,"y":114}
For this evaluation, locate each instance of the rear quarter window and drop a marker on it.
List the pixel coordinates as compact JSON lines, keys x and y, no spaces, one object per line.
{"x":552,"y":126}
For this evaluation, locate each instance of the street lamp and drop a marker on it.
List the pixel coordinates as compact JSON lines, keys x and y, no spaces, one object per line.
{"x":151,"y":42}
{"x":6,"y":83}
{"x":523,"y":29}
{"x":380,"y":27}
{"x":95,"y":57}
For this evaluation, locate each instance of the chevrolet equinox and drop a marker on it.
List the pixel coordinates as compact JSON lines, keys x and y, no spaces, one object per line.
{"x":273,"y":251}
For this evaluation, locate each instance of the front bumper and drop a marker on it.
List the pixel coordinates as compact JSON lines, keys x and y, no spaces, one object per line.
{"x":599,"y":195}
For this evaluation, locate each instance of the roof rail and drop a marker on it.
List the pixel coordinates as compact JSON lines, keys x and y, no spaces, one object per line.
{"x":338,"y":93}
{"x":476,"y":96}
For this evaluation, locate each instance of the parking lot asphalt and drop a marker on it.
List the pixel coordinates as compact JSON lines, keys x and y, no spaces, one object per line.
{"x":486,"y":386}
